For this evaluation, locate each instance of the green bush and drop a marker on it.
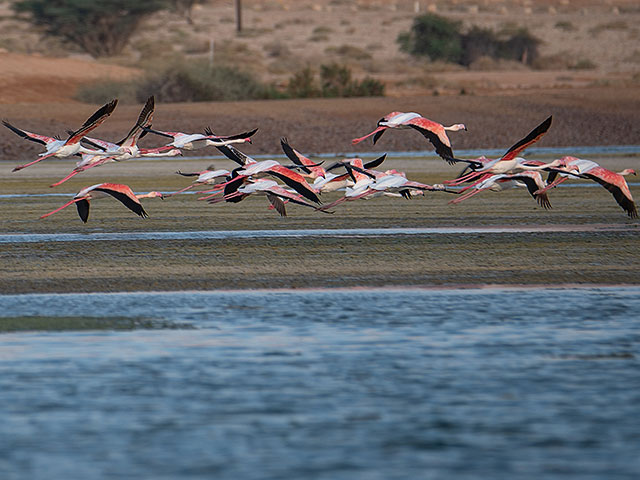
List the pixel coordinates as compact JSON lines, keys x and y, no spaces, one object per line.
{"x":303,"y":85}
{"x":441,"y":39}
{"x":433,"y":36}
{"x":195,"y":82}
{"x":520,"y":45}
{"x":335,"y":81}
{"x":199,"y":83}
{"x":368,"y":87}
{"x":477,"y":43}
{"x":99,"y":28}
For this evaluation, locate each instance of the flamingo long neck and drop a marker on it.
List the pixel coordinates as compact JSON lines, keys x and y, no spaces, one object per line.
{"x":358,"y":140}
{"x":70,"y":202}
{"x":149,"y":195}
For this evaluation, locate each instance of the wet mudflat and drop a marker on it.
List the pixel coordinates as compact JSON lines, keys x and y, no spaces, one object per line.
{"x":585,"y":239}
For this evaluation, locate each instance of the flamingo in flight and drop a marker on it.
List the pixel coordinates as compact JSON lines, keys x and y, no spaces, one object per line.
{"x":309,"y":168}
{"x":210,"y":176}
{"x":273,"y":168}
{"x":120,"y":192}
{"x":373,"y":183}
{"x":125,"y":149}
{"x":277,"y":195}
{"x":510,"y":162}
{"x":56,"y":147}
{"x":249,"y":167}
{"x":196,"y":141}
{"x":530,"y":179}
{"x":614,"y":182}
{"x":435,"y":132}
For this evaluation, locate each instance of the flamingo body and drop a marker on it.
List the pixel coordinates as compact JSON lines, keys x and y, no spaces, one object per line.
{"x":120,"y":192}
{"x":435,"y":132}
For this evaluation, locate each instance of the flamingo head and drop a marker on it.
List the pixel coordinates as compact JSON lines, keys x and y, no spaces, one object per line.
{"x":174,"y":152}
{"x":564,"y":163}
{"x":457,"y":126}
{"x":155,"y":195}
{"x":627,"y":171}
{"x":388,"y":117}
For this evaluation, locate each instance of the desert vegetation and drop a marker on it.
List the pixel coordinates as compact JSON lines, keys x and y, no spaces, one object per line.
{"x":200,"y":81}
{"x":439,"y":38}
{"x":378,"y":42}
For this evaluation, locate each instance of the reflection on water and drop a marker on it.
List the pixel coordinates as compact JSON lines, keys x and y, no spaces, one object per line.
{"x":371,"y":384}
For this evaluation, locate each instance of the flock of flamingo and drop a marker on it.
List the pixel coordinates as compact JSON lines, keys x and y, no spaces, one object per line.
{"x":304,"y":180}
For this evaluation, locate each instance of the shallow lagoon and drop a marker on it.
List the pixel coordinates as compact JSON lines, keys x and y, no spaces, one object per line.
{"x":348,"y":383}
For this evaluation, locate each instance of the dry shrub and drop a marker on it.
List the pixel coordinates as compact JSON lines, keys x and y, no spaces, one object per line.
{"x":286,"y":64}
{"x":559,"y":61}
{"x":583,"y":64}
{"x":196,"y":46}
{"x":318,"y":38}
{"x":348,"y":52}
{"x":293,"y":21}
{"x":603,"y":27}
{"x":565,"y":26}
{"x":277,"y":49}
{"x":322,"y":30}
{"x":422,"y":81}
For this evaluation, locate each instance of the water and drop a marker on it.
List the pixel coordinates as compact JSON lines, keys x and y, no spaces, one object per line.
{"x":345,"y":384}
{"x":296,"y":233}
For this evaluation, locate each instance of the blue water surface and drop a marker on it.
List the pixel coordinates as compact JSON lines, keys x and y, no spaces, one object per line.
{"x":345,"y":384}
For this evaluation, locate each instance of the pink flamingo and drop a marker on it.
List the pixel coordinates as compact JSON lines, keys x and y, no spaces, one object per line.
{"x":56,"y":147}
{"x":276,"y":194}
{"x":311,"y":170}
{"x":532,"y":180}
{"x":435,"y":132}
{"x":372,"y":183}
{"x":120,"y":192}
{"x":511,"y":163}
{"x":209,"y":176}
{"x":196,"y":141}
{"x":614,"y":182}
{"x":275,"y":169}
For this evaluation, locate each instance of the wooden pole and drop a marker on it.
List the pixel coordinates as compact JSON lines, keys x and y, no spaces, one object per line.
{"x":239,"y":16}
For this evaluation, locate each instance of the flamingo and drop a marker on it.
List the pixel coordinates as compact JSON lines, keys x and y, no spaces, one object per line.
{"x":125,"y":149}
{"x":332,"y":182}
{"x":196,"y":141}
{"x":510,"y":162}
{"x":276,"y":194}
{"x":614,"y":182}
{"x":309,"y":168}
{"x":390,"y":182}
{"x":120,"y":192}
{"x":56,"y":147}
{"x":530,"y":179}
{"x":435,"y":132}
{"x":128,"y":147}
{"x":268,"y":167}
{"x":90,"y":161}
{"x":210,"y":176}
